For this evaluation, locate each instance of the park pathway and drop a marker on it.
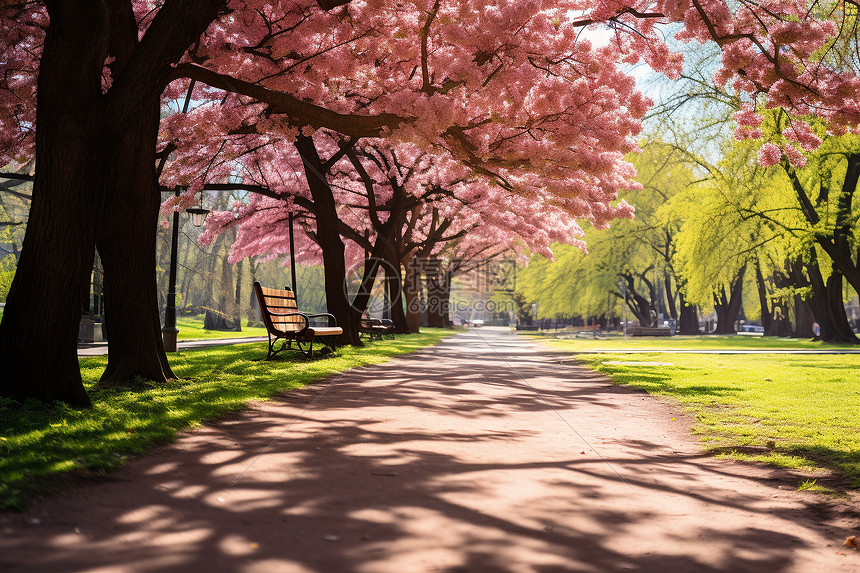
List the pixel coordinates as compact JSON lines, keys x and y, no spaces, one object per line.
{"x":480,"y":454}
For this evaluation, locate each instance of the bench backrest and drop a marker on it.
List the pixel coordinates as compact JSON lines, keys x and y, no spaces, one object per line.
{"x":280,"y":302}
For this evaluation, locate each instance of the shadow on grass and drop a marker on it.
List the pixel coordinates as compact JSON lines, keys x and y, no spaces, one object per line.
{"x":658,"y":383}
{"x":40,"y":441}
{"x":333,"y":489}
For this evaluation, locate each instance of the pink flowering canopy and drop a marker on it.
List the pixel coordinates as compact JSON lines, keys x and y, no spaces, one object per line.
{"x":511,"y":89}
{"x":443,"y":199}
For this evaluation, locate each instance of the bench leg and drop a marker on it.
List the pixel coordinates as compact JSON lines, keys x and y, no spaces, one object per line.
{"x":306,"y":347}
{"x":271,"y":346}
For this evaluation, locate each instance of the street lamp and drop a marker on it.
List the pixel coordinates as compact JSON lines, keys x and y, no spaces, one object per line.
{"x":169,"y":330}
{"x":197,"y":215}
{"x":623,"y":287}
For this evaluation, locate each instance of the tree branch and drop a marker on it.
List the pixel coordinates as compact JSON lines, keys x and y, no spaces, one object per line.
{"x":303,"y":113}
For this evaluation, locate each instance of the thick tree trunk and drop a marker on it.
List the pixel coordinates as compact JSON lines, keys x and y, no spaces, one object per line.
{"x":395,"y":290}
{"x":688,"y":323}
{"x":81,"y":143}
{"x":362,"y":297}
{"x":804,"y":317}
{"x":329,"y":240}
{"x":838,"y":327}
{"x":727,"y":309}
{"x":126,"y":242}
{"x":39,"y":330}
{"x":827,"y":304}
{"x":412,"y":296}
{"x":438,"y":295}
{"x":126,"y":236}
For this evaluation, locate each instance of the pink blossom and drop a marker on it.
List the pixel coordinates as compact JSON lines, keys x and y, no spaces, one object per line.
{"x":802,"y":133}
{"x":748,"y":117}
{"x":769,"y":155}
{"x":795,"y":157}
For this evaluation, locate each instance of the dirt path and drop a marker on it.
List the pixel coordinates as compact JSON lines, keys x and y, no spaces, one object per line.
{"x":480,"y":454}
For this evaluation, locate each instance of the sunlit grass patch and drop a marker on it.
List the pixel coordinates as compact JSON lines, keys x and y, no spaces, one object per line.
{"x":191,"y":328}
{"x":792,"y":410}
{"x":40,"y":441}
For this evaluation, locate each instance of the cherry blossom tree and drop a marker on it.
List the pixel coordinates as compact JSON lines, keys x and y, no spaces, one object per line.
{"x":509,"y":88}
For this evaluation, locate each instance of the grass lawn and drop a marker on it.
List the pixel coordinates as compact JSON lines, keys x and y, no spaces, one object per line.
{"x":709,"y":342}
{"x":39,"y":442}
{"x":191,"y":328}
{"x":798,"y":411}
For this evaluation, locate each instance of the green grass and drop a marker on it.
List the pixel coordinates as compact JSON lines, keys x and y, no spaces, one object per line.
{"x":796,"y":411}
{"x":704,"y":342}
{"x":191,"y":328}
{"x":40,"y":442}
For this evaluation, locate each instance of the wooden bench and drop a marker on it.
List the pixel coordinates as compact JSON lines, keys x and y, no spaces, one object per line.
{"x":648,"y":331}
{"x":375,"y":328}
{"x":284,"y":322}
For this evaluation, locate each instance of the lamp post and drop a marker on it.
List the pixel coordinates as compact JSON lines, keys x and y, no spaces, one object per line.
{"x":169,"y":330}
{"x":623,"y":286}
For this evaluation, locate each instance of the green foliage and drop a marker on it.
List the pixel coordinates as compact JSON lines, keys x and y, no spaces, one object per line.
{"x":39,"y":442}
{"x":8,"y":264}
{"x":578,"y":283}
{"x":191,"y":328}
{"x":791,"y":410}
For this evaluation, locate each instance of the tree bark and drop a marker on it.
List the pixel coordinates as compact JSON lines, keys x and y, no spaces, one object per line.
{"x":640,"y":306}
{"x":766,"y":315}
{"x":39,"y":329}
{"x":438,"y":295}
{"x":688,"y":323}
{"x":727,"y":308}
{"x":81,"y":138}
{"x":395,"y":290}
{"x":827,"y":304}
{"x":670,"y":297}
{"x":127,"y":246}
{"x":329,"y":239}
{"x":362,"y":297}
{"x":412,"y":295}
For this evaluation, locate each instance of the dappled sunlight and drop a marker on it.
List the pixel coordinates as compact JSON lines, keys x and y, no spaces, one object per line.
{"x":443,"y":460}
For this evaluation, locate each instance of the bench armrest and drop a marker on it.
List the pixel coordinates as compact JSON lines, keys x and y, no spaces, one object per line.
{"x":332,"y":321}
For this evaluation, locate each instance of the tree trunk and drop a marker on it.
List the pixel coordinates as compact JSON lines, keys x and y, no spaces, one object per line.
{"x":688,"y":323}
{"x":329,"y":240}
{"x":127,"y":244}
{"x":727,"y":309}
{"x":395,"y":290}
{"x":670,"y":297}
{"x":82,"y":143}
{"x":438,"y":295}
{"x":362,"y":297}
{"x":238,"y":298}
{"x":412,"y":295}
{"x":766,"y":316}
{"x":640,"y":306}
{"x":827,"y":304}
{"x":804,"y":317}
{"x":39,"y":329}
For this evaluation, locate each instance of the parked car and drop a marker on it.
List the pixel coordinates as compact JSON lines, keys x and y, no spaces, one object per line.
{"x":751,"y":330}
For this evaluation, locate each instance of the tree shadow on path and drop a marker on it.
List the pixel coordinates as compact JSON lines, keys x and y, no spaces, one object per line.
{"x":477,"y":455}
